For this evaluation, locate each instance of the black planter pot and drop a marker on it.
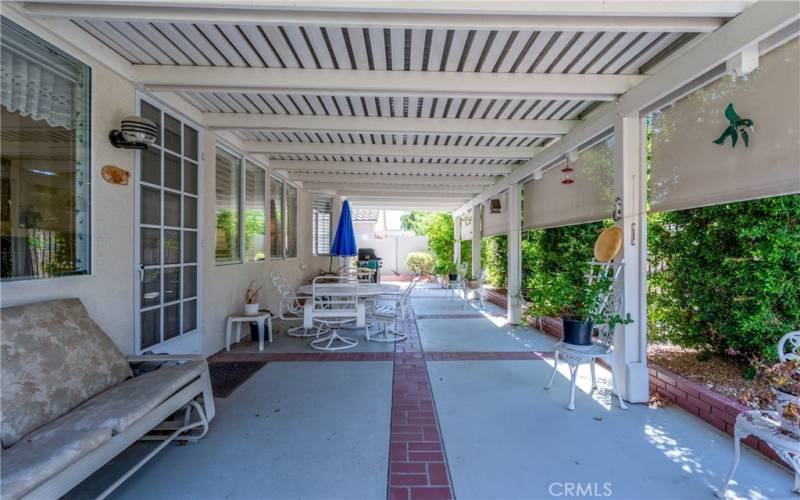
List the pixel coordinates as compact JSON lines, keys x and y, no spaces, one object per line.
{"x":577,"y":332}
{"x":452,"y":277}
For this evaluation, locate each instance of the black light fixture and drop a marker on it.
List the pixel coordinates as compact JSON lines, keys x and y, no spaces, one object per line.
{"x":495,"y":207}
{"x":135,"y":132}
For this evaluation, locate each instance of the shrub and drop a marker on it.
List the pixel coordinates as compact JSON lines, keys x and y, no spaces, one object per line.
{"x":555,"y":262}
{"x":437,"y":226}
{"x":420,"y":262}
{"x":726,"y":277}
{"x":494,"y":258}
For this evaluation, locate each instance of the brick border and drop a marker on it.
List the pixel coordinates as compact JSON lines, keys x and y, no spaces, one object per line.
{"x":233,"y":356}
{"x":417,"y":461}
{"x":713,"y":408}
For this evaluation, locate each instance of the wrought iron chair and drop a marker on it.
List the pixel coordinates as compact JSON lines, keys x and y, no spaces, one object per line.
{"x":332,"y":305}
{"x":480,"y":290}
{"x":766,"y":425}
{"x":789,"y":347}
{"x":388,"y":309}
{"x":290,"y":308}
{"x":602,"y":345}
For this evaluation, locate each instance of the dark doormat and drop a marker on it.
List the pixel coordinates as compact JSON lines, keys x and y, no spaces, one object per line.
{"x":227,"y":376}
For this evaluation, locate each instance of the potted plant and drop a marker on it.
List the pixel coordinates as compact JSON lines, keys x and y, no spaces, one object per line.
{"x":779,"y":389}
{"x":251,"y":304}
{"x":441,"y":270}
{"x":451,"y":268}
{"x":577,"y":304}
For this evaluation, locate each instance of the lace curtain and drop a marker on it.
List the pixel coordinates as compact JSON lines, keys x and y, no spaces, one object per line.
{"x":35,"y":87}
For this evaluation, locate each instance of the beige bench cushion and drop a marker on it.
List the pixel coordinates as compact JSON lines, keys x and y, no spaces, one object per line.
{"x":39,"y":456}
{"x":121,"y":406}
{"x":53,"y":357}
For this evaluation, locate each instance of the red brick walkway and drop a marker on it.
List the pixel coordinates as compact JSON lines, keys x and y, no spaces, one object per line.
{"x":417,"y":460}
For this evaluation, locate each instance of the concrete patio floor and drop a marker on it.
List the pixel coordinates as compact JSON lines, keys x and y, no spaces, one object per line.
{"x":321,"y":429}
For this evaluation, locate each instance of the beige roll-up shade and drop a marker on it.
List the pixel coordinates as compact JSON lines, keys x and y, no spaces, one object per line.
{"x":466,"y":226}
{"x":549,"y":203}
{"x":494,"y":224}
{"x":689,"y":170}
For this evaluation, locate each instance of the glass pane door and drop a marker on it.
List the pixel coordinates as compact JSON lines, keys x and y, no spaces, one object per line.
{"x":168,"y":207}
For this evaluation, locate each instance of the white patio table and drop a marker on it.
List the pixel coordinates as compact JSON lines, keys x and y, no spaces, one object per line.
{"x":365,"y":290}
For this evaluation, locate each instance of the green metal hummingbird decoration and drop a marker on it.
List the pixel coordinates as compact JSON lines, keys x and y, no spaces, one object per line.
{"x":737,"y":126}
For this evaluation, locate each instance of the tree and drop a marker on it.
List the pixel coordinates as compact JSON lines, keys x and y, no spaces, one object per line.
{"x":437,"y":226}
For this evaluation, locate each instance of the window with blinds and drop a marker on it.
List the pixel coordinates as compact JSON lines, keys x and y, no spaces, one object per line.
{"x":322,"y":213}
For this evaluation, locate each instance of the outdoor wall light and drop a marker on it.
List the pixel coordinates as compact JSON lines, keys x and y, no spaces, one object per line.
{"x":495,"y":207}
{"x":135,"y":132}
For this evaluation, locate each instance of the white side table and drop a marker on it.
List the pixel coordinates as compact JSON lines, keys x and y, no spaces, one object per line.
{"x":236,"y":320}
{"x":765,"y":426}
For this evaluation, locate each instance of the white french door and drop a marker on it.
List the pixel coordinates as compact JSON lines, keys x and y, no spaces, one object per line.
{"x":167,"y":241}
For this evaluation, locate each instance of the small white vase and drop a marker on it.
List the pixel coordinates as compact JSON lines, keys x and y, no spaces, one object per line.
{"x":251,"y":309}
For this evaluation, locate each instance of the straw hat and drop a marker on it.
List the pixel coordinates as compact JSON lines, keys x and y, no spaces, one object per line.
{"x":608,"y":244}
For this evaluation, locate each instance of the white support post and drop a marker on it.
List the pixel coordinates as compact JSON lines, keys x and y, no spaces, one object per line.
{"x":630,"y":341}
{"x":514,"y":254}
{"x":477,"y":229}
{"x":457,"y":239}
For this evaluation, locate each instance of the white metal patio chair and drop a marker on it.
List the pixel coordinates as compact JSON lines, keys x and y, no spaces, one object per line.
{"x":332,"y":305}
{"x":766,"y":425}
{"x":290,"y":308}
{"x":388,"y":309}
{"x":364,"y":274}
{"x":602,"y":345}
{"x":480,"y":290}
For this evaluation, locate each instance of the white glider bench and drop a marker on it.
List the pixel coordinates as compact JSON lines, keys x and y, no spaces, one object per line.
{"x":71,"y":403}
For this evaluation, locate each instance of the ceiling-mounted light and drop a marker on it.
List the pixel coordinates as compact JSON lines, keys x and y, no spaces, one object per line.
{"x":495,"y":207}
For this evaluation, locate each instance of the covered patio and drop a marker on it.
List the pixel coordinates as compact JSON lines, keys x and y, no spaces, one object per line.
{"x":162,"y":157}
{"x":463,"y":421}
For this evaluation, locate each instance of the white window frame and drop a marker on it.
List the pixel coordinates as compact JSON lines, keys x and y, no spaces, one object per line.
{"x":315,"y":232}
{"x":284,"y":227}
{"x":89,"y":178}
{"x":239,"y":157}
{"x":242,"y":162}
{"x":243,"y":166}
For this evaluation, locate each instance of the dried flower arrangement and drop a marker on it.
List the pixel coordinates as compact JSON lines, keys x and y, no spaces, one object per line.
{"x":780,"y":389}
{"x":251,"y":294}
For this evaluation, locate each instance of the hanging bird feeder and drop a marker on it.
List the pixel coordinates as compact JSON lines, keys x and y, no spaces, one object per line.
{"x":568,"y":173}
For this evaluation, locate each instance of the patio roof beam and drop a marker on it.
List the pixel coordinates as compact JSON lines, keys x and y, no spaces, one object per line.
{"x":375,"y":167}
{"x":386,"y":125}
{"x":384,"y":83}
{"x":421,"y":180}
{"x":453,"y":197}
{"x":559,"y":16}
{"x":405,"y":150}
{"x":755,"y":24}
{"x":399,"y":200}
{"x":379,"y":189}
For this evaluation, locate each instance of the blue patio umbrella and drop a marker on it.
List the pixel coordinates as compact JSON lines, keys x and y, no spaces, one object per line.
{"x":344,"y":242}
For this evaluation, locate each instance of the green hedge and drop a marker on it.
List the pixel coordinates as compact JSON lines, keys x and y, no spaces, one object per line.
{"x":560,"y":252}
{"x":724,"y":278}
{"x":494,"y":258}
{"x":727,"y":277}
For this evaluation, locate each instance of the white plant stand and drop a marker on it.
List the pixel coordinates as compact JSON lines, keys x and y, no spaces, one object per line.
{"x":575,"y":357}
{"x":766,"y":426}
{"x":236,"y":320}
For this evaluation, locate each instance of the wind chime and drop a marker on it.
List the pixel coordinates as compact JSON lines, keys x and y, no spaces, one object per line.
{"x":568,"y":173}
